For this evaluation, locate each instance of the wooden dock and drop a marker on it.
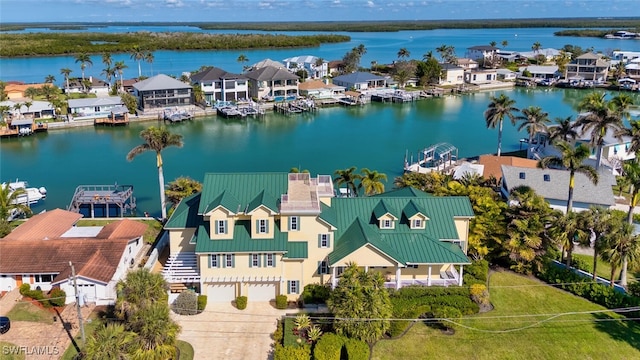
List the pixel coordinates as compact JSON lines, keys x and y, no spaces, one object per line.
{"x":24,"y":128}
{"x":103,"y":199}
{"x":295,"y":107}
{"x":114,"y":119}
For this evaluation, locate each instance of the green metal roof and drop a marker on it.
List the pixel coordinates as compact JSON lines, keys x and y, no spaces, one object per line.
{"x":356,"y":236}
{"x":404,"y":192}
{"x":185,"y":215}
{"x":243,"y":187}
{"x":226,"y":200}
{"x":421,"y":249}
{"x":385,"y":208}
{"x":268,"y":200}
{"x":412,"y":208}
{"x":328,"y":214}
{"x":242,"y":242}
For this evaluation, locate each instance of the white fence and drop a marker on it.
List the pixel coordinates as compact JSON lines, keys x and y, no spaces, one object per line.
{"x":164,"y":240}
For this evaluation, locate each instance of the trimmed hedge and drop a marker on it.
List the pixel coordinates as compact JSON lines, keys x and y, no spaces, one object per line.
{"x":315,"y":294}
{"x":329,"y":347}
{"x":281,"y":302}
{"x":398,"y":327}
{"x":634,"y":289}
{"x":447,"y":312}
{"x":295,"y":352}
{"x":479,"y":269}
{"x":241,"y":302}
{"x":24,"y":288}
{"x":186,"y":303}
{"x":57,"y":297}
{"x":356,"y":349}
{"x":202,"y":303}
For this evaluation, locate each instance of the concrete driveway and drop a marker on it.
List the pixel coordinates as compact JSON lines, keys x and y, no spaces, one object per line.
{"x":224,"y":332}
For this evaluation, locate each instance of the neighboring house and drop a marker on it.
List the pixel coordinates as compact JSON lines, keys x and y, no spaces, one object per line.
{"x":506,"y":74}
{"x":553,"y":185}
{"x":267,"y":62}
{"x":467,"y":63}
{"x":264,"y":234}
{"x":127,"y":85}
{"x":360,"y":81}
{"x":37,"y":110}
{"x":96,"y":86}
{"x":16,"y":91}
{"x":335,"y":67}
{"x":493,"y":164}
{"x":315,"y":67}
{"x":633,"y":69}
{"x":549,"y":53}
{"x":625,"y":56}
{"x":615,"y":150}
{"x":485,"y":54}
{"x":94,"y":107}
{"x":542,"y":71}
{"x":480,"y":76}
{"x":272,"y":83}
{"x":220,"y":85}
{"x":318,"y":89}
{"x":588,"y":67}
{"x":38,"y":252}
{"x":451,"y":74}
{"x":162,"y":91}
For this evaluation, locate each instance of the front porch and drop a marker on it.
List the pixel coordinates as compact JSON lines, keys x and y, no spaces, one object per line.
{"x":414,"y":275}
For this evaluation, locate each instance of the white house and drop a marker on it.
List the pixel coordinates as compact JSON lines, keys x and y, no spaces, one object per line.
{"x":315,"y":67}
{"x":588,"y":67}
{"x":319,"y":89}
{"x":451,"y":75}
{"x":506,"y":75}
{"x":95,"y":86}
{"x":480,"y":76}
{"x":542,"y":71}
{"x":360,"y":81}
{"x":272,"y":83}
{"x":485,"y":54}
{"x":39,"y":252}
{"x":37,"y":109}
{"x":220,"y":85}
{"x":94,"y":107}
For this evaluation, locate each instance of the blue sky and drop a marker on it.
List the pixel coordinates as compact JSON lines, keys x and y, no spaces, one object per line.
{"x":300,"y":10}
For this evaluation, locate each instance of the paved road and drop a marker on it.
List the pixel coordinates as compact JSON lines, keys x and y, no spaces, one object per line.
{"x":224,"y":332}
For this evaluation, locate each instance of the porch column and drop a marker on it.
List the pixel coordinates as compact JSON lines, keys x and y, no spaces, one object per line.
{"x":398,"y":277}
{"x":460,"y":279}
{"x":366,"y":269}
{"x":333,"y":278}
{"x":429,"y":276}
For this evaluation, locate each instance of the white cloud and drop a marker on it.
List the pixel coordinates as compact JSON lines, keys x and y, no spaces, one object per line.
{"x":370,"y":4}
{"x":174,"y":3}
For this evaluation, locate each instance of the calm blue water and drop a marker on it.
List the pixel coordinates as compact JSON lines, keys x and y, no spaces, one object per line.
{"x":381,"y":47}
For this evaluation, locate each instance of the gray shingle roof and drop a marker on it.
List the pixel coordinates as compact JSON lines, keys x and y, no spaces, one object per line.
{"x":212,"y":73}
{"x":358,"y":77}
{"x":160,"y":82}
{"x":557,"y":186}
{"x":106,"y":101}
{"x":270,"y":73}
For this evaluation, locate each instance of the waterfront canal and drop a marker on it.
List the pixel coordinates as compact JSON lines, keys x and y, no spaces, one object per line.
{"x":375,"y":136}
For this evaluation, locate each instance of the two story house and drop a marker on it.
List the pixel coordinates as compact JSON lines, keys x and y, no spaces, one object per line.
{"x":315,"y":67}
{"x":272,"y":83}
{"x":220,"y":85}
{"x":162,"y":91}
{"x":588,"y":67}
{"x":265,"y":234}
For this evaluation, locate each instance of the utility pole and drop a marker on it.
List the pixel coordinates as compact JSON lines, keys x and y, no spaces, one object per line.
{"x":75,"y":285}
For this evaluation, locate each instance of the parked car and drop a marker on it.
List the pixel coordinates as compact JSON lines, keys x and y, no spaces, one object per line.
{"x":5,"y":324}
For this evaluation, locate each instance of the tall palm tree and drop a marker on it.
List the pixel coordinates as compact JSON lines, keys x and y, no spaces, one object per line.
{"x":504,"y":43}
{"x":84,"y":59}
{"x":536,"y":47}
{"x":599,"y":119}
{"x":600,"y":222}
{"x":139,"y":289}
{"x":49,"y":92}
{"x":108,"y":72}
{"x":119,"y":67}
{"x":493,"y":43}
{"x":157,"y":139}
{"x":66,"y":72}
{"x":149,"y":58}
{"x":348,"y":177}
{"x":242,"y":59}
{"x":620,"y":105}
{"x":403,"y":53}
{"x":137,"y":54}
{"x":371,"y":181}
{"x":156,"y":333}
{"x":428,"y":55}
{"x":631,"y":172}
{"x":563,"y":129}
{"x":9,"y":202}
{"x":633,"y":131}
{"x":499,"y":108}
{"x":109,"y":342}
{"x":567,"y":229}
{"x":107,"y":60}
{"x":49,"y":79}
{"x":535,"y":121}
{"x":619,"y":70}
{"x":623,"y":248}
{"x":30,"y":92}
{"x":572,"y":159}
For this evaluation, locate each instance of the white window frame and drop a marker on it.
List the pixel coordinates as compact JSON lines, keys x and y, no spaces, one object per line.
{"x":324,"y":267}
{"x":37,"y":278}
{"x":417,"y":223}
{"x":294,"y":223}
{"x":255,"y":260}
{"x":221,"y":226}
{"x":214,"y":261}
{"x":228,"y":260}
{"x":262,"y":226}
{"x":386,"y":224}
{"x":324,"y":240}
{"x":294,"y":287}
{"x":271,"y":260}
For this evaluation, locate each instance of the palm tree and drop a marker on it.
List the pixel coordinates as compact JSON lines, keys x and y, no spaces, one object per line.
{"x":28,"y":104}
{"x":157,"y":139}
{"x":108,"y":72}
{"x":500,"y":107}
{"x":49,"y":92}
{"x":633,"y":131}
{"x":242,"y":59}
{"x":139,"y":289}
{"x":30,"y":92}
{"x":66,"y":72}
{"x":9,"y":202}
{"x":631,"y":172}
{"x":563,"y":130}
{"x":137,"y":54}
{"x":536,"y":47}
{"x":109,"y":342}
{"x":401,"y":76}
{"x":599,"y":221}
{"x":84,"y":59}
{"x":428,"y":55}
{"x":535,"y":121}
{"x":149,"y":58}
{"x":504,"y":43}
{"x":348,"y":178}
{"x":622,"y":248}
{"x":181,"y":188}
{"x":107,"y":60}
{"x":371,"y":181}
{"x":571,"y":158}
{"x":619,"y":70}
{"x":403,"y":53}
{"x":49,"y":79}
{"x":567,"y":229}
{"x":18,"y":107}
{"x":620,"y":105}
{"x":156,"y":332}
{"x":493,"y":43}
{"x":119,"y":67}
{"x":599,"y":119}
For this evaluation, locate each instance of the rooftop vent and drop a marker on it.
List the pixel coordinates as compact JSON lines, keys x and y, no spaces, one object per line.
{"x":522,"y":175}
{"x":547,"y":177}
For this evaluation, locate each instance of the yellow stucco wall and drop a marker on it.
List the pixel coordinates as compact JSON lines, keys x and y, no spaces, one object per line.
{"x":241,"y":267}
{"x":179,"y":241}
{"x":262,"y":213}
{"x":367,"y":256}
{"x":220,"y":213}
{"x":462,"y":226}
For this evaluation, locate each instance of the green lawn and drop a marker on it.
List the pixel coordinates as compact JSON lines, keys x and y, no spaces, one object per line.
{"x":186,"y":350}
{"x":26,"y":311}
{"x":89,"y":328}
{"x":149,"y":236}
{"x":5,"y":348}
{"x":565,"y":337}
{"x":604,"y":269}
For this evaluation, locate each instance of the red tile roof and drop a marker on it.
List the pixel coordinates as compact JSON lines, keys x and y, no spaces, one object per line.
{"x":47,"y":225}
{"x":123,"y":229}
{"x":492,"y":164}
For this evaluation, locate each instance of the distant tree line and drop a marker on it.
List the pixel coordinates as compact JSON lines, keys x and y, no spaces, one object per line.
{"x":591,"y":32}
{"x":35,"y":44}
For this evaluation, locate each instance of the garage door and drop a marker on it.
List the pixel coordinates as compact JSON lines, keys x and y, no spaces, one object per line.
{"x":221,"y":293}
{"x":87,"y":293}
{"x":262,"y":292}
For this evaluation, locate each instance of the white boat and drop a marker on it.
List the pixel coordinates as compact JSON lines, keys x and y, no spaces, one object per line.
{"x":31,"y":196}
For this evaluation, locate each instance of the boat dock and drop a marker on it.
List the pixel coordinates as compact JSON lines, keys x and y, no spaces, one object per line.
{"x":176,"y":115}
{"x":441,"y":157}
{"x":103,"y":200}
{"x":397,"y":96}
{"x":295,"y":107}
{"x":22,"y":127}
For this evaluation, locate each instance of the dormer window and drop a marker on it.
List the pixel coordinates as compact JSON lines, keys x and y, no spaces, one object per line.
{"x":386,"y":224}
{"x":221,"y":226}
{"x":263,"y":226}
{"x":417,"y":224}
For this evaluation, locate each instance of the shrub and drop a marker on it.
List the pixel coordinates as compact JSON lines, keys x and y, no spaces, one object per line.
{"x":281,"y":302}
{"x":479,"y":294}
{"x":241,"y":302}
{"x":581,"y":264}
{"x":447,"y":312}
{"x":186,"y":303}
{"x":294,"y":352}
{"x":398,"y":327}
{"x":329,"y":347}
{"x":469,"y":280}
{"x":634,"y":289}
{"x":356,"y":349}
{"x":57,"y":297}
{"x":315,"y":294}
{"x":278,"y":335}
{"x":202,"y":303}
{"x":24,"y":288}
{"x":479,"y":269}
